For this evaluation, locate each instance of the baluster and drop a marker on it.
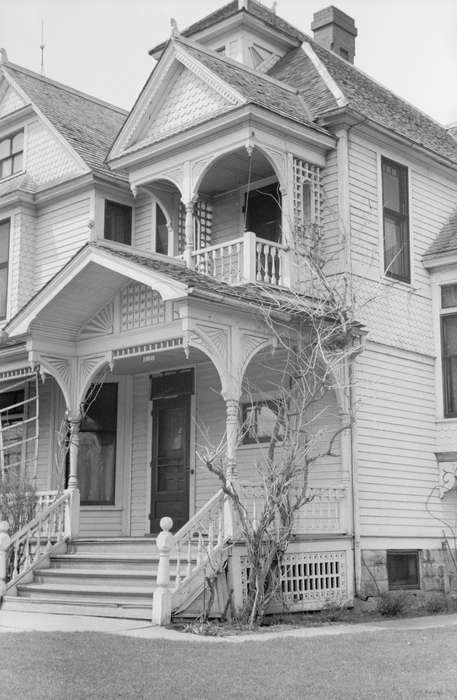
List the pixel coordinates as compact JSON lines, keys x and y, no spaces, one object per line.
{"x":189,"y":557}
{"x":220,"y":528}
{"x":16,"y":559}
{"x":213,"y":271}
{"x":200,"y":548}
{"x":230,"y":264}
{"x":277,"y":267}
{"x":210,"y":536}
{"x":178,"y":565}
{"x":37,"y":552}
{"x":27,"y":557}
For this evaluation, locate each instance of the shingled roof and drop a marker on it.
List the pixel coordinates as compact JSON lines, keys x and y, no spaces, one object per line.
{"x":446,"y":240}
{"x":255,"y":87}
{"x":87,"y":123}
{"x":362,"y":94}
{"x":256,"y":9}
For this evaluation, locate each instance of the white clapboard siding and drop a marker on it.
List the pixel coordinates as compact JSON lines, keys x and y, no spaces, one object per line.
{"x":227,"y":218}
{"x":143,"y":222}
{"x":61,"y":230}
{"x":397,"y":469}
{"x":140,"y":466}
{"x":332,"y":228}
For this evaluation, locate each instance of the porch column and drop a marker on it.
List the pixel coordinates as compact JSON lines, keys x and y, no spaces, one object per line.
{"x":231,"y":429}
{"x":75,"y":423}
{"x":189,"y":231}
{"x":73,"y":507}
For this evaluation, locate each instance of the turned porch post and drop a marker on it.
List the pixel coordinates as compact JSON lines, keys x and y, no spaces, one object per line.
{"x":231,"y":429}
{"x":189,"y":231}
{"x":72,"y":511}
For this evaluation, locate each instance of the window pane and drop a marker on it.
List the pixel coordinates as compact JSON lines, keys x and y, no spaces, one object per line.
{"x":161,"y":232}
{"x":3,"y":291}
{"x":449,"y":335}
{"x":4,"y":241}
{"x":260,"y":419}
{"x":448,"y":296}
{"x":5,"y":147}
{"x":396,"y":248}
{"x":18,"y":142}
{"x":17,"y":163}
{"x":7,"y":167}
{"x":118,"y":222}
{"x":391,"y":187}
{"x":449,"y":352}
{"x":97,"y":451}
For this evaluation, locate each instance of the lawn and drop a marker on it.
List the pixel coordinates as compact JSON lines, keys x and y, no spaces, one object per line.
{"x":413,"y":664}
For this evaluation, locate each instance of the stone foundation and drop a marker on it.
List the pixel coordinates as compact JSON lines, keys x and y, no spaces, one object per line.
{"x":434,"y":574}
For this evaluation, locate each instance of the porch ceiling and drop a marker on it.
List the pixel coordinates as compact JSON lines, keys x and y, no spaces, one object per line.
{"x":231,"y":171}
{"x":90,"y":290}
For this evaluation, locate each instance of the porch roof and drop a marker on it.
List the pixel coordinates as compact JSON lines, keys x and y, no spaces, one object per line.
{"x":97,"y":271}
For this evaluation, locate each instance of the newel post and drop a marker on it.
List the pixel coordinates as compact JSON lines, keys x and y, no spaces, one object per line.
{"x":161,"y":604}
{"x":5,"y":541}
{"x":249,"y":257}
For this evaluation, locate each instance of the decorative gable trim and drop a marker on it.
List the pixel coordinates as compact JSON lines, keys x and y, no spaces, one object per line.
{"x":63,"y":142}
{"x":100,"y":324}
{"x":325,"y":75}
{"x":157,"y":87}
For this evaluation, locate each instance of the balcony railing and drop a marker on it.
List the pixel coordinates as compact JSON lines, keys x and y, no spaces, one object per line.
{"x":244,"y":259}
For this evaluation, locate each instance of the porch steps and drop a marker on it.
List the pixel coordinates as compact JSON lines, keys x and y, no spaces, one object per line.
{"x":105,"y":577}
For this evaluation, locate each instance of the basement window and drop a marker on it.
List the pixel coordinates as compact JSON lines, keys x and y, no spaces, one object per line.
{"x":403,"y":569}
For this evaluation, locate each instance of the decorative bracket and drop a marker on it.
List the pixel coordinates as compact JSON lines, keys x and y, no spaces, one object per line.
{"x":447,"y":464}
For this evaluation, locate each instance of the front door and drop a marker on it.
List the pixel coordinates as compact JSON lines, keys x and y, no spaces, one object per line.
{"x":170,"y":461}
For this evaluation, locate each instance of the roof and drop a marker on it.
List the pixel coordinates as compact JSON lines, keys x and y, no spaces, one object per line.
{"x":364,"y":95}
{"x":255,"y":9}
{"x":88,"y":124}
{"x":446,"y":240}
{"x":256,"y":88}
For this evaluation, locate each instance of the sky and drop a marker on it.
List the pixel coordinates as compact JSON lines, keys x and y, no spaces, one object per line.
{"x":100,"y":46}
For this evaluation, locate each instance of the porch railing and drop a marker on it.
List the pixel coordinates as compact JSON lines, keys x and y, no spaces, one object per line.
{"x":244,"y":259}
{"x":324,"y":513}
{"x":28,"y":547}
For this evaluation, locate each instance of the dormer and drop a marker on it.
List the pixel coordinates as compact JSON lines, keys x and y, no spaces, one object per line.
{"x":246,"y":31}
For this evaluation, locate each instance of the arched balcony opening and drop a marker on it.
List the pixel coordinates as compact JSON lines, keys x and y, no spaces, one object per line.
{"x":160,"y":219}
{"x":238,"y":220}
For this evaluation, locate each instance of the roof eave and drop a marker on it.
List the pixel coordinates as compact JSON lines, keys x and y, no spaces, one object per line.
{"x":432,"y":261}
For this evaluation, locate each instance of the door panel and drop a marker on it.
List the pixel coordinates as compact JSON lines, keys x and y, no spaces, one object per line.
{"x":170,"y":461}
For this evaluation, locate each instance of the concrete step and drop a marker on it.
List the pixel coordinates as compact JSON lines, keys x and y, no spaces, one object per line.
{"x":62,"y":606}
{"x":109,"y":578}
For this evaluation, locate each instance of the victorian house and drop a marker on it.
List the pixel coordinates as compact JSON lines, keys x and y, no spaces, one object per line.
{"x":136,"y":251}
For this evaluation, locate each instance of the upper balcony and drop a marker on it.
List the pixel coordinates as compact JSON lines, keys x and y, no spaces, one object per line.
{"x":240,"y":226}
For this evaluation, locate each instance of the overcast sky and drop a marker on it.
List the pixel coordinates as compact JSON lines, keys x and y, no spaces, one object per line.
{"x":100,"y":46}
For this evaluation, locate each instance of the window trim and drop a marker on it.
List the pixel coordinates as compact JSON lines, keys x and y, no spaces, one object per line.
{"x":404,"y":218}
{"x":445,"y":314}
{"x":6,"y":265}
{"x":244,"y":405}
{"x":10,"y":136}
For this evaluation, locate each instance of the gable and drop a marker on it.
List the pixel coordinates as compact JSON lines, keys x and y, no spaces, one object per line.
{"x":188,"y":100}
{"x":10,"y":102}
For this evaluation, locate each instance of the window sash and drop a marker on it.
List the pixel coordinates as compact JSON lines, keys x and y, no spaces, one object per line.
{"x":11,"y":154}
{"x":449,"y":363}
{"x":397,"y":263}
{"x":4,"y":262}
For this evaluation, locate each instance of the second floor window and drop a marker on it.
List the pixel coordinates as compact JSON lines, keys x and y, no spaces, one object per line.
{"x":449,"y":348}
{"x":4,"y":258}
{"x":118,"y":222}
{"x":11,"y":154}
{"x":395,"y":221}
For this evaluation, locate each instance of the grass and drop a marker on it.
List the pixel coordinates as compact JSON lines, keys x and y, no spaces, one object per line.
{"x":54,"y":666}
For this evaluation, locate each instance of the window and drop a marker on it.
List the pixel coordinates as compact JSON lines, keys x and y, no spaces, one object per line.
{"x":11,"y":154}
{"x":118,"y":222}
{"x":4,"y":257}
{"x":260,"y":420}
{"x":403,"y":569}
{"x":396,"y":223}
{"x":97,"y":446}
{"x":263,"y":212}
{"x":161,"y":232}
{"x":13,"y":427}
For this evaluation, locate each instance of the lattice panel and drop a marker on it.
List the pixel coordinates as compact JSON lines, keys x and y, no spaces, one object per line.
{"x":308,"y":201}
{"x":203,"y":224}
{"x":181,"y":228}
{"x":140,"y":307}
{"x":308,"y":579}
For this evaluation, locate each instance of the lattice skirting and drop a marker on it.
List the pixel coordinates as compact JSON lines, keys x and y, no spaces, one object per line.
{"x":309,"y":580}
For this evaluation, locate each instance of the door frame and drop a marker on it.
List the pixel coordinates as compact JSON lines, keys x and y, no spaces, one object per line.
{"x":192,"y":456}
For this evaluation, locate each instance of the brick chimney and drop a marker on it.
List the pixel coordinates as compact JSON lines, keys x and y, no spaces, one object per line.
{"x":336,"y":31}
